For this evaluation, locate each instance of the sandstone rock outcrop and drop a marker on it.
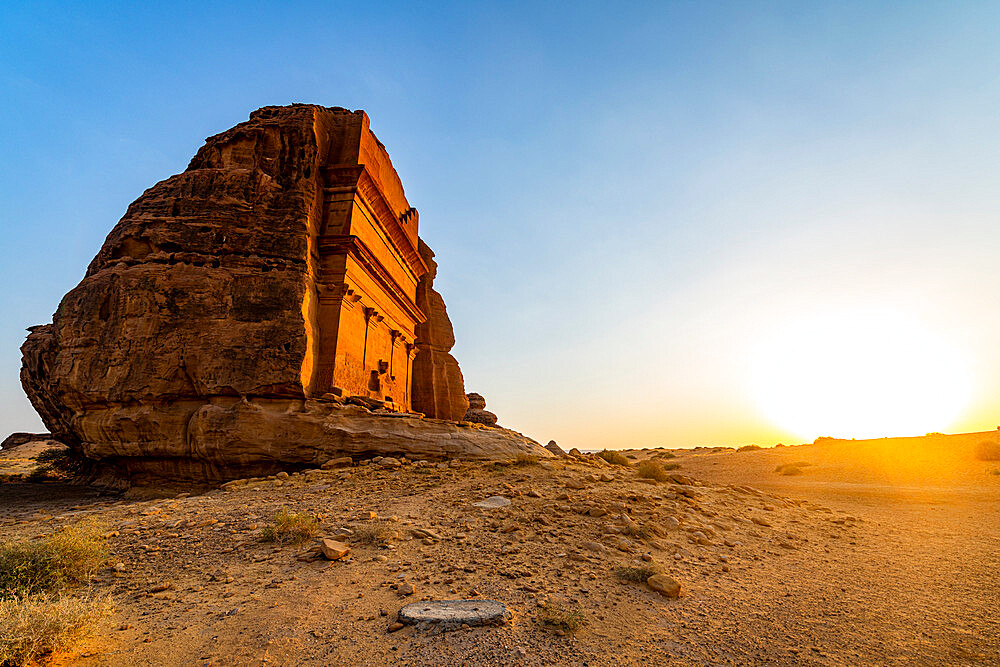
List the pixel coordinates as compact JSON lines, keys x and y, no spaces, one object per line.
{"x":477,"y":412}
{"x":554,"y":447}
{"x":284,"y":262}
{"x":438,"y":386}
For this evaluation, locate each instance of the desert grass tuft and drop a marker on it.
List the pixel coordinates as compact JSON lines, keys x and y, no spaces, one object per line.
{"x":290,"y":527}
{"x":559,"y":619}
{"x":614,"y":458}
{"x":636,"y":575}
{"x":789,"y":469}
{"x":988,"y":450}
{"x":67,"y":558}
{"x":374,"y":533}
{"x":523,"y":459}
{"x":652,"y":470}
{"x":636,"y":530}
{"x":33,"y":627}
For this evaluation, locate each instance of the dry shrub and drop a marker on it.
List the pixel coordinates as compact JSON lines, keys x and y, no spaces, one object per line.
{"x":35,"y":626}
{"x":559,"y":619}
{"x":614,"y":458}
{"x":988,"y":450}
{"x":795,"y":468}
{"x":290,"y":527}
{"x":523,"y":459}
{"x":374,"y":533}
{"x":67,"y":558}
{"x":652,"y":470}
{"x":667,"y":455}
{"x":636,"y":530}
{"x":636,"y":575}
{"x":749,"y":448}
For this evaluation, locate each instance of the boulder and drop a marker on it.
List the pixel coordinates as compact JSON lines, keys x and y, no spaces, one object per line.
{"x":333,"y":550}
{"x":665,"y":585}
{"x":477,"y":412}
{"x":555,"y":449}
{"x":202,"y":339}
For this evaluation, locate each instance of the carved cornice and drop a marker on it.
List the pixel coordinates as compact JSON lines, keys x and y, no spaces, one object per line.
{"x":356,"y":177}
{"x":362,"y":254}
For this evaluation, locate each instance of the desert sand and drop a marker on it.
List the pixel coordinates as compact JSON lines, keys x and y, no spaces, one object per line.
{"x":879,"y":552}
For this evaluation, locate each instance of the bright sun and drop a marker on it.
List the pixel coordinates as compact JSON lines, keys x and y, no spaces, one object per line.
{"x":863,"y":374}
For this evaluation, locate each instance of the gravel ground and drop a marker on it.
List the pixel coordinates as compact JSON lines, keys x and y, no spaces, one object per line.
{"x":831,"y":572}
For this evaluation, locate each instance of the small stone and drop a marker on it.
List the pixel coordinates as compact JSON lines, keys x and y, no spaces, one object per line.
{"x":340,"y":462}
{"x":493,"y":502}
{"x":389,"y":462}
{"x":607,"y":477}
{"x":407,"y":589}
{"x":333,"y":550}
{"x":575,"y":484}
{"x":395,"y":626}
{"x":664,"y":585}
{"x":159,"y":588}
{"x":760,"y":521}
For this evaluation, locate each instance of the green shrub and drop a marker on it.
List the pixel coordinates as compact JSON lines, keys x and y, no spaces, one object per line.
{"x":290,"y":527}
{"x":67,"y":558}
{"x":33,"y":627}
{"x":652,"y":470}
{"x":988,"y":450}
{"x":614,"y":458}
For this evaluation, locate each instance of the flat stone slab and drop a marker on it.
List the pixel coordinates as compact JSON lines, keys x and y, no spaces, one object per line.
{"x":455,"y":612}
{"x":492,"y":503}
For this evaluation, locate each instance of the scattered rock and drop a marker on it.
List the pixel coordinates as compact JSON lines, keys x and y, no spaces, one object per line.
{"x":333,"y":550}
{"x":340,"y":462}
{"x":493,"y":502}
{"x":664,"y":585}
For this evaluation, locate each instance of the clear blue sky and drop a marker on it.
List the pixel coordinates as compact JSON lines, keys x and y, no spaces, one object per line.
{"x":625,"y":198}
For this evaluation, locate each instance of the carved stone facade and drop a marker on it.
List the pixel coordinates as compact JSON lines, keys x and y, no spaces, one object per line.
{"x":282,"y":264}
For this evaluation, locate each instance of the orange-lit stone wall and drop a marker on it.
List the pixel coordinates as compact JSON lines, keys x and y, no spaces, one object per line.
{"x":368,"y":267}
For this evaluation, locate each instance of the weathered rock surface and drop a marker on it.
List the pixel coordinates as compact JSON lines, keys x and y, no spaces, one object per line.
{"x":196,"y":341}
{"x":477,"y":412}
{"x":665,"y":585}
{"x":17,"y":439}
{"x":456,"y":612}
{"x":555,"y":448}
{"x":438,"y":385}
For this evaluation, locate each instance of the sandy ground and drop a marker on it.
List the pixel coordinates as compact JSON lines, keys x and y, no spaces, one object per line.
{"x":854,"y":564}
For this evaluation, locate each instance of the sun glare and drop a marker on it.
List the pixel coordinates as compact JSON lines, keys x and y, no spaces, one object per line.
{"x":859,"y":375}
